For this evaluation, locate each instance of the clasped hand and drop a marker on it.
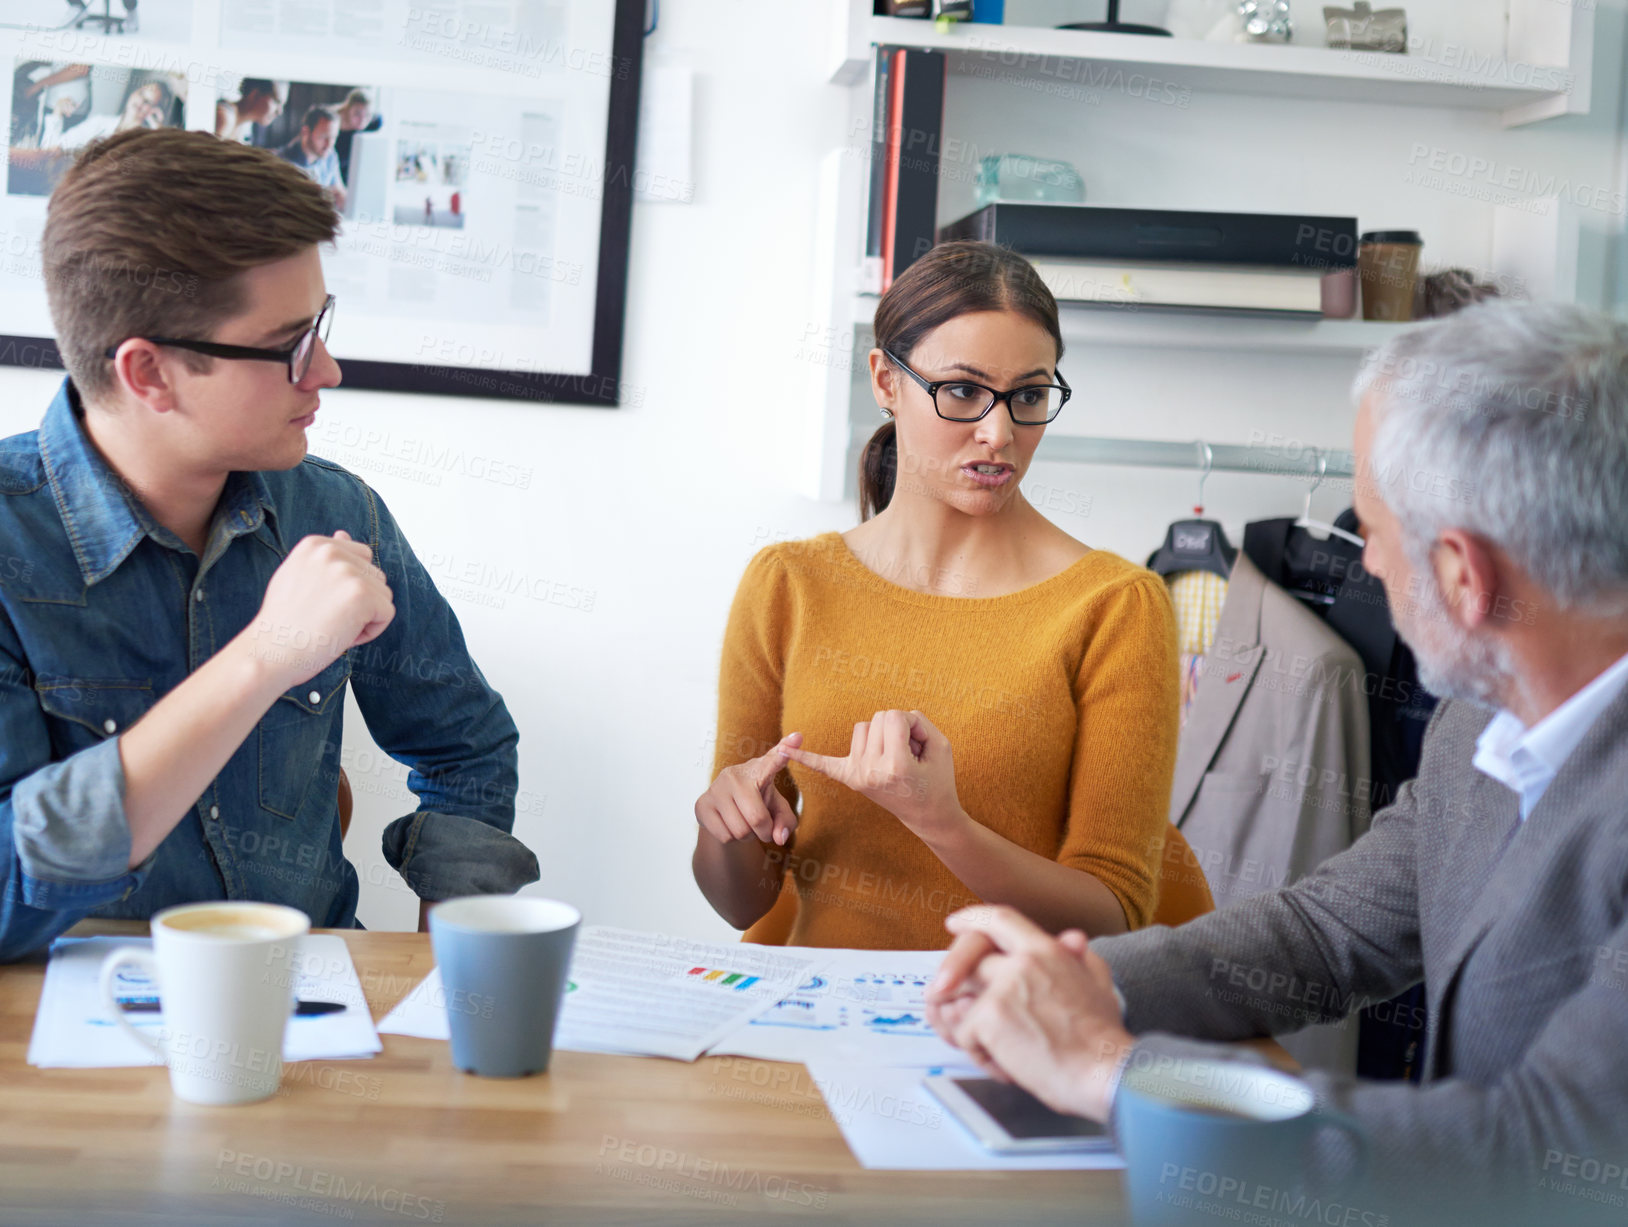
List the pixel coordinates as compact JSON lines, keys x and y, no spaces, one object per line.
{"x":1030,"y":1008}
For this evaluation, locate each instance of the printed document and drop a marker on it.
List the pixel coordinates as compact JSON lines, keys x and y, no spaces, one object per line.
{"x":645,"y":994}
{"x":865,"y":1006}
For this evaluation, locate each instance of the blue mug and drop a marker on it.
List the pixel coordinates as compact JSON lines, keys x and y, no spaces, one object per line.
{"x":1211,"y":1140}
{"x":503,"y":964}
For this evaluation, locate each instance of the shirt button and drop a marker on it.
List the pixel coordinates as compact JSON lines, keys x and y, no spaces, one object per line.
{"x":110,"y":727}
{"x":315,"y":697}
{"x":198,"y":596}
{"x":214,"y":811}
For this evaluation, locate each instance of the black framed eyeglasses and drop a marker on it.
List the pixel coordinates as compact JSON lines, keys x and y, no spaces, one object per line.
{"x":298,"y":357}
{"x":1034,"y":404}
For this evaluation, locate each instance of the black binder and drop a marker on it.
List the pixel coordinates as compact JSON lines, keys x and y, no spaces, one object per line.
{"x":1101,"y":233}
{"x":910,"y":88}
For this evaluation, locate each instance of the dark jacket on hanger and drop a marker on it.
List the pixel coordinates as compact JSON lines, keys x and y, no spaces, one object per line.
{"x":1398,"y":707}
{"x":1354,"y":605}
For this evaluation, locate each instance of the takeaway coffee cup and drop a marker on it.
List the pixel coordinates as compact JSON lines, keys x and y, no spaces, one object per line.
{"x":1202,"y":1139}
{"x":503,"y":962}
{"x":225,"y":974}
{"x":1388,"y":267}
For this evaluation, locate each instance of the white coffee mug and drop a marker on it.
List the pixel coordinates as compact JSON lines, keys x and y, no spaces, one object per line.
{"x":225,"y":974}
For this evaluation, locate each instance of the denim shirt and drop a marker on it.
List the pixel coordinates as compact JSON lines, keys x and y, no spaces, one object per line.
{"x":103,"y":611}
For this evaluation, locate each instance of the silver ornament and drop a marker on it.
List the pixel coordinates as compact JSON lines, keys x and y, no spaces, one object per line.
{"x":1266,"y":21}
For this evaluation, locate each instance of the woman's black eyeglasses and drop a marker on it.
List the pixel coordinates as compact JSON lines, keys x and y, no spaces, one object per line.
{"x":1034,"y":404}
{"x":298,"y":357}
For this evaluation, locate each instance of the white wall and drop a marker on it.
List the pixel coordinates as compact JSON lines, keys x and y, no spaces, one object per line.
{"x":649,"y":512}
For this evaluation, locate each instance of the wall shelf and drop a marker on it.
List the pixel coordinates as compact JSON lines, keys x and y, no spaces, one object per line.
{"x":1058,"y":61}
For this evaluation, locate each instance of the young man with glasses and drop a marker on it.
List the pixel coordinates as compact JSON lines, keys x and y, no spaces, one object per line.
{"x":194,"y":593}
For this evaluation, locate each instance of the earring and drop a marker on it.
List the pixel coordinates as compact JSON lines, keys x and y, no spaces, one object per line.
{"x":886,"y":412}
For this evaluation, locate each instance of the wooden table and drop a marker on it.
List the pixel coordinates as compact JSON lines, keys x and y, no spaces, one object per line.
{"x":407,"y":1138}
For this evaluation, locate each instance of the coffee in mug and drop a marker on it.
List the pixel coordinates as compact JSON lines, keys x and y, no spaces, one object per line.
{"x":225,"y":973}
{"x":225,"y":922}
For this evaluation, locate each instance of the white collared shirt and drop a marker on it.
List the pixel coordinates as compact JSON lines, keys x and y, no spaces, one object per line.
{"x":1526,"y":760}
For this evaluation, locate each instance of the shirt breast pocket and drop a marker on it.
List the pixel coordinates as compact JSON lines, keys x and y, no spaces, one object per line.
{"x":299,"y":772}
{"x":83,"y":711}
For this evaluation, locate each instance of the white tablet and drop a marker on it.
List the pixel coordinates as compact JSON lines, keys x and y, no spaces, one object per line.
{"x":1007,"y":1120}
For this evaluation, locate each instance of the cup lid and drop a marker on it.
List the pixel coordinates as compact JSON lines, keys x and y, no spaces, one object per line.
{"x":1392,"y":236}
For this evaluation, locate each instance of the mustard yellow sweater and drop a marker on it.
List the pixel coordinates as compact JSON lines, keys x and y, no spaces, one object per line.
{"x":1059,"y":701}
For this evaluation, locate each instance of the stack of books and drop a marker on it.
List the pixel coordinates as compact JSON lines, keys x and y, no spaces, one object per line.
{"x":1170,"y":258}
{"x":907,"y":121}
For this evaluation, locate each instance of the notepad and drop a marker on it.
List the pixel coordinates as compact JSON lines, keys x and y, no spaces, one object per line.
{"x":73,"y":1028}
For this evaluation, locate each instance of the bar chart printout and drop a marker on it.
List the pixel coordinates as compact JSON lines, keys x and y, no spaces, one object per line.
{"x":867,"y":1006}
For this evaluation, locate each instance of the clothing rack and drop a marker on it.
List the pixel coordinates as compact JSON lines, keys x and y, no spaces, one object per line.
{"x":1276,"y":459}
{"x":1291,"y":460}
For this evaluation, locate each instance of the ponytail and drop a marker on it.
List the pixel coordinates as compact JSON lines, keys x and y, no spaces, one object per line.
{"x":878,"y":468}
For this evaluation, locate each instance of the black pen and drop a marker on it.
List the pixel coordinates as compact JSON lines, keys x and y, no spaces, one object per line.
{"x":303,"y":1009}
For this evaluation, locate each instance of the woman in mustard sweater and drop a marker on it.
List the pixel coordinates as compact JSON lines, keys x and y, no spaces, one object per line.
{"x":969,"y":704}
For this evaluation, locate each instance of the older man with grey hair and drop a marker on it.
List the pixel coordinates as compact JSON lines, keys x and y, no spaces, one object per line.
{"x":1492,"y":486}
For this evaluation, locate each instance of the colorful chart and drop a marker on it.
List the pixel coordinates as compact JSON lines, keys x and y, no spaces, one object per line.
{"x":881,"y":1003}
{"x":724,"y":978}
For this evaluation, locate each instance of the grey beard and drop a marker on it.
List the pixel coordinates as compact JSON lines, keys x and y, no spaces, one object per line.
{"x":1450,"y":679}
{"x":1456,"y":665}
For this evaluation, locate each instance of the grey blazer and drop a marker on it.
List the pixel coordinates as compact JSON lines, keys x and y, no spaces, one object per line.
{"x":1272,"y":774}
{"x":1520,"y":934}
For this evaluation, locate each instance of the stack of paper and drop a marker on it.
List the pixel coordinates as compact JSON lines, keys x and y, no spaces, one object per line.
{"x":74,"y":1029}
{"x":643,"y":993}
{"x":860,"y":1025}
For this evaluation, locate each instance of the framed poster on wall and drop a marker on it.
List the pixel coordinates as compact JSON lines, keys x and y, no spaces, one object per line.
{"x":480,"y":154}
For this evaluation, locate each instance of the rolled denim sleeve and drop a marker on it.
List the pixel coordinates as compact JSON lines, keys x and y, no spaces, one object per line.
{"x":68,"y":823}
{"x":428,"y":706}
{"x":444,"y":855}
{"x":64,"y":839}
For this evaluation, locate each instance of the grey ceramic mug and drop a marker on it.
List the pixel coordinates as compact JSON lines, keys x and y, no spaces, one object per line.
{"x":1207,"y":1141}
{"x":503,"y":964}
